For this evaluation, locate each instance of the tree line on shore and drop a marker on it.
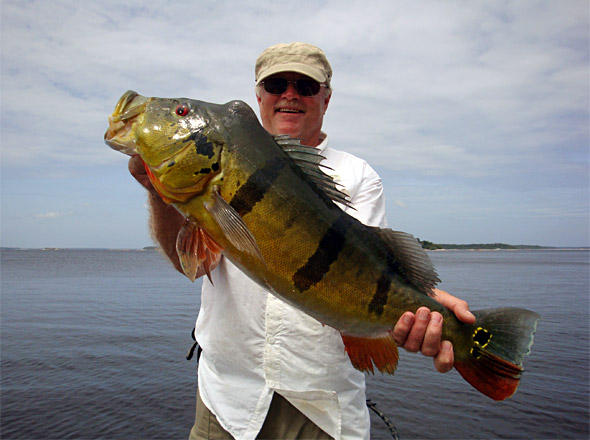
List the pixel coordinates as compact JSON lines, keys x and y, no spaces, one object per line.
{"x":429,"y":245}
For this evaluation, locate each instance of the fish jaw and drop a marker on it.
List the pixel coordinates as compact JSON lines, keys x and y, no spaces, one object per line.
{"x":120,"y":135}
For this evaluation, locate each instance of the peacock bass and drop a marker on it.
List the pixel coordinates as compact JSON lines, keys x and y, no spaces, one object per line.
{"x":264,"y":202}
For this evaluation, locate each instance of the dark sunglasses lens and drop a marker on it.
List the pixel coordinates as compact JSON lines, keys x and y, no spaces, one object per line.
{"x":275,"y":86}
{"x":307,"y":87}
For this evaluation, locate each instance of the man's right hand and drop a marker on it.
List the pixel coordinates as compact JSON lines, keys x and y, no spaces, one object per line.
{"x":137,"y":170}
{"x":165,"y":220}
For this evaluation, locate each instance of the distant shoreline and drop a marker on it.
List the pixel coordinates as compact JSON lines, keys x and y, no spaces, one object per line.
{"x":438,"y":249}
{"x":511,"y":249}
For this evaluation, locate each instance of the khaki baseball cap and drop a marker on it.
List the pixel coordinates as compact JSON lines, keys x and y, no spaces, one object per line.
{"x":294,"y":57}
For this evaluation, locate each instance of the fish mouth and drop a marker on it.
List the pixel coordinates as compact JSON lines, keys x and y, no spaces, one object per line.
{"x":119,"y":135}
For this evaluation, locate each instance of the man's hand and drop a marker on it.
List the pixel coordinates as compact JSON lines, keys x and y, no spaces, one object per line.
{"x":422,"y":331}
{"x":138,"y":171}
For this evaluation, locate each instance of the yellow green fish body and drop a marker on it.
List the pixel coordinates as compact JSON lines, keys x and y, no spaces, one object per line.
{"x":264,"y":203}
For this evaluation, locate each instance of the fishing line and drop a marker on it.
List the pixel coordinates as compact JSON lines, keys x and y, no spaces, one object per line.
{"x":390,"y":426}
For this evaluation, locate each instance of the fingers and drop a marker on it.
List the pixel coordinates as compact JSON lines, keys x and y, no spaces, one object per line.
{"x":402,"y":329}
{"x":459,"y":307}
{"x":444,"y":359}
{"x":137,"y":170}
{"x":420,"y":332}
{"x":423,"y":332}
{"x":417,"y":333}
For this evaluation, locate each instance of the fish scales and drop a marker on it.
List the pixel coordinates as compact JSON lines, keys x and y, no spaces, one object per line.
{"x":279,"y":208}
{"x":264,"y":203}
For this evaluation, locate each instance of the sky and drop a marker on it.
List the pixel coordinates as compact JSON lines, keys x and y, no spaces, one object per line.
{"x":474,"y":113}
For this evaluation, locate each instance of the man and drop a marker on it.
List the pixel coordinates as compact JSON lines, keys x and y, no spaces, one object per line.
{"x":268,"y":370}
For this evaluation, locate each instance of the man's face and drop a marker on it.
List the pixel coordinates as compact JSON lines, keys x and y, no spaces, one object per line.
{"x":290,"y":113}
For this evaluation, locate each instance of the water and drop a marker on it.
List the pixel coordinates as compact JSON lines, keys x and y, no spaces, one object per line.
{"x":93,"y":345}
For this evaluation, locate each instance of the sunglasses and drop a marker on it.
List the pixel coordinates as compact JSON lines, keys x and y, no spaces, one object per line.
{"x":304,"y":86}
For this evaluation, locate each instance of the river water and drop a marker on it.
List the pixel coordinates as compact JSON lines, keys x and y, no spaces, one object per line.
{"x":93,"y":345}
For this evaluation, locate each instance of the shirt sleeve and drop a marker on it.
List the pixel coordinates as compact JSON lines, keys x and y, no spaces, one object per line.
{"x":368,"y":199}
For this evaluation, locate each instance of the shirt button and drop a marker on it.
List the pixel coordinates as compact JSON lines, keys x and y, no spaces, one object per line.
{"x":271,"y":339}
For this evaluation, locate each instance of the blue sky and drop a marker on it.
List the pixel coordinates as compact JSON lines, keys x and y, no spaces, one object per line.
{"x":474,"y":113}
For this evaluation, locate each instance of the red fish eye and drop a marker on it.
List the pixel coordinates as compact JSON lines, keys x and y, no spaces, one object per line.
{"x":182,"y":110}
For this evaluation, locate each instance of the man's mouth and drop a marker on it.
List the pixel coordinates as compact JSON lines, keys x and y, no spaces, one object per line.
{"x":288,"y":110}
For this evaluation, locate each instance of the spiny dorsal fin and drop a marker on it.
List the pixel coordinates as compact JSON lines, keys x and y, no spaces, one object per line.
{"x":412,"y":258}
{"x":308,"y":160}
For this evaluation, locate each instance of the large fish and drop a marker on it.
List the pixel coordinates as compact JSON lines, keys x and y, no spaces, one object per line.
{"x":264,"y":202}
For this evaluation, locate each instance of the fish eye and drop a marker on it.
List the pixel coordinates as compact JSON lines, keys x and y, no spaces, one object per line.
{"x":182,"y":109}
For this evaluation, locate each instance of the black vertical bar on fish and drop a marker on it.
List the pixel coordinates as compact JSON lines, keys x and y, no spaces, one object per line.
{"x":253,"y":191}
{"x":318,"y":265}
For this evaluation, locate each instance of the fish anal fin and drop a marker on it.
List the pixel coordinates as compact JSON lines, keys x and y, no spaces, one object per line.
{"x":196,"y":250}
{"x":366,"y":352}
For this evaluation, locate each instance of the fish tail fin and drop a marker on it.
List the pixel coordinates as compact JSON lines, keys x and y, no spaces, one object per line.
{"x":501,"y":339}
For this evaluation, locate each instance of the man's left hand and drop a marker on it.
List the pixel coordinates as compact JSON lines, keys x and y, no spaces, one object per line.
{"x":422,"y":331}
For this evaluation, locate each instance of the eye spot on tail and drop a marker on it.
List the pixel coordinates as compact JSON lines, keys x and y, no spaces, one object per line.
{"x":481,"y":338}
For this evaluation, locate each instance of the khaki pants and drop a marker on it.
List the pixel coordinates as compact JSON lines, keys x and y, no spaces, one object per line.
{"x":283,"y":421}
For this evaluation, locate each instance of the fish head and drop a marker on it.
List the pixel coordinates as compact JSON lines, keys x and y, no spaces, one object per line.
{"x":176,"y":139}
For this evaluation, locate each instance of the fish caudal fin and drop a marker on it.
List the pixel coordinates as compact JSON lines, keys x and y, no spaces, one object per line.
{"x":500,"y":341}
{"x":196,"y":250}
{"x":364,"y":353}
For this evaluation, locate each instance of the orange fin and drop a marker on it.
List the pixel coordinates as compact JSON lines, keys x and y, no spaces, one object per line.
{"x":196,"y":250}
{"x":491,"y":375}
{"x":501,"y":338}
{"x":366,"y":352}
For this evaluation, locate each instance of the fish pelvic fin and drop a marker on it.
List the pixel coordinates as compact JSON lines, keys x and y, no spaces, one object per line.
{"x":366,"y":352}
{"x":196,"y":250}
{"x":501,"y":339}
{"x":232,"y":225}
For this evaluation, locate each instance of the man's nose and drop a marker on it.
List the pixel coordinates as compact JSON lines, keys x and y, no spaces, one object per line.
{"x":291,"y":91}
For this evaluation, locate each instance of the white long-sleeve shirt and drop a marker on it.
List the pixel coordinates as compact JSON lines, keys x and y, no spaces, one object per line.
{"x":255,"y":344}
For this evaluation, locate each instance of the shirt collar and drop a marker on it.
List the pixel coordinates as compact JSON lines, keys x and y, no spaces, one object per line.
{"x":323,"y":142}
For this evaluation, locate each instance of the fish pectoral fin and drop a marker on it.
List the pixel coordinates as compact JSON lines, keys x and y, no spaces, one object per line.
{"x":366,"y":352}
{"x":196,"y":250}
{"x":233,"y":226}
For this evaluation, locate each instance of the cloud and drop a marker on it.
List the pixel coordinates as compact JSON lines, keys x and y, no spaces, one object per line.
{"x":52,"y":215}
{"x":489,"y":96}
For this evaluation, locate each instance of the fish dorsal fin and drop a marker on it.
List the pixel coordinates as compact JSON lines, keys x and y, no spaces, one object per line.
{"x":308,"y":160}
{"x":412,"y":258}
